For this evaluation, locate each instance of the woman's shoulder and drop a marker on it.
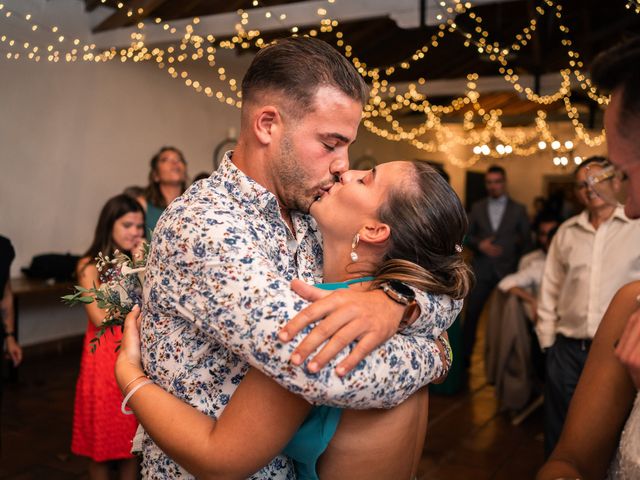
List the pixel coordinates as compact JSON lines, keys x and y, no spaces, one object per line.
{"x":623,"y":304}
{"x":86,"y":268}
{"x":628,"y":292}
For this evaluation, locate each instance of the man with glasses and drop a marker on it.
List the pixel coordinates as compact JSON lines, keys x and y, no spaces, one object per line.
{"x":593,"y":254}
{"x":499,"y":234}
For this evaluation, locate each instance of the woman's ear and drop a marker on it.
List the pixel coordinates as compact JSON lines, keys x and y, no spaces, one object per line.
{"x":265,"y":123}
{"x":375,"y":233}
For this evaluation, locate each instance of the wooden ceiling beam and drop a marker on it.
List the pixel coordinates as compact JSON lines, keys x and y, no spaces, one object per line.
{"x":628,"y":22}
{"x":91,"y":5}
{"x":369,"y":39}
{"x":121,"y":19}
{"x":186,"y":7}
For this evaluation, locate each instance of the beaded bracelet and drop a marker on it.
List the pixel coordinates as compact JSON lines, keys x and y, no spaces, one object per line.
{"x":130,"y":394}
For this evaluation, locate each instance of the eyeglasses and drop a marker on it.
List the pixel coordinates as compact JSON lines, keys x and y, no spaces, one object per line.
{"x":606,"y":174}
{"x":600,"y":182}
{"x":596,"y":178}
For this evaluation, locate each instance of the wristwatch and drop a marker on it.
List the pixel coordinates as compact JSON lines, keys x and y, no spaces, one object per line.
{"x":398,"y":292}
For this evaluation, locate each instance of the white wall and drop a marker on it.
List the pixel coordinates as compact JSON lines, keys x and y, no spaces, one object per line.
{"x":72,"y":136}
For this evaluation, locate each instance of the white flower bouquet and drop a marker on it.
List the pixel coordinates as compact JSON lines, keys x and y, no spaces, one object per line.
{"x":120,"y":289}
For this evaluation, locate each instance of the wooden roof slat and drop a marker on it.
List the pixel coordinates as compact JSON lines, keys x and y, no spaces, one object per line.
{"x":121,"y":19}
{"x":91,"y":5}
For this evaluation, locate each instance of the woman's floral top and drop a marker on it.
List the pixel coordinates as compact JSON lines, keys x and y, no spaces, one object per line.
{"x":217,"y":292}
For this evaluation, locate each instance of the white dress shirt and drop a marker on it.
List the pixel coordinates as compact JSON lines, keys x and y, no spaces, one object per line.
{"x":529,"y":274}
{"x":584,"y":269}
{"x":495,"y":209}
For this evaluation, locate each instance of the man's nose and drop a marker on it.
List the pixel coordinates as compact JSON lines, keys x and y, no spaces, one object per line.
{"x":339,"y":165}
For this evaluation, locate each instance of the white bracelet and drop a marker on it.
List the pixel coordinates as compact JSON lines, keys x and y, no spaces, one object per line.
{"x":124,"y":389}
{"x":130,"y":394}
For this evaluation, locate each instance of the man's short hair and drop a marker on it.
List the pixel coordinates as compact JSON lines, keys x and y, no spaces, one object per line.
{"x":595,"y":159}
{"x":497,"y":169}
{"x":296,"y":67}
{"x":619,"y":67}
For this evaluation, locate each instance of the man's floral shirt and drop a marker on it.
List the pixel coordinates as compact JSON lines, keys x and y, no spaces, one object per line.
{"x":217,"y":291}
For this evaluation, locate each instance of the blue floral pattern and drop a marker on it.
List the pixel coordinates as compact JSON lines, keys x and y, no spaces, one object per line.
{"x":217,"y":292}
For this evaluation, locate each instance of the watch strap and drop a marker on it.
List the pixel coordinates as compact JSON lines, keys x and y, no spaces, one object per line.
{"x":394,"y":295}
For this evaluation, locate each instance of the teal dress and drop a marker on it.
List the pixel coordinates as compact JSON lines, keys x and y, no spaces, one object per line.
{"x":151,"y":218}
{"x":315,"y":433}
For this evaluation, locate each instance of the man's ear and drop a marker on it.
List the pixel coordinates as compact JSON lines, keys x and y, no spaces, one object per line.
{"x":266,"y":123}
{"x":375,"y":234}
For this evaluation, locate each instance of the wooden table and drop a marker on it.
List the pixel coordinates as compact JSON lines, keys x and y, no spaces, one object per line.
{"x":22,"y":288}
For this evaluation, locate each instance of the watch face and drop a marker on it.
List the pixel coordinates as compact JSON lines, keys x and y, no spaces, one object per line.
{"x":402,"y":289}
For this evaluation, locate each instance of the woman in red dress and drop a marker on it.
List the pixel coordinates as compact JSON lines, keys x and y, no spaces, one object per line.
{"x":100,"y":430}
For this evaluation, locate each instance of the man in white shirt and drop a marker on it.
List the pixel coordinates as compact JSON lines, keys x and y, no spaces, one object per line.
{"x":591,"y":257}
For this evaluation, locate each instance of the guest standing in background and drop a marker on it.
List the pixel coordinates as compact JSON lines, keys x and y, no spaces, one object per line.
{"x":525,"y":283}
{"x":591,"y":257}
{"x":499,"y":234}
{"x":135,"y":191}
{"x":167,"y":181}
{"x":514,"y":362}
{"x":100,"y":430}
{"x":7,"y":254}
{"x":7,"y":326}
{"x":540,"y":209}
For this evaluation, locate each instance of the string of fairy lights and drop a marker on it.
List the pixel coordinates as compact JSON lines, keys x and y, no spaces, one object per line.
{"x":481,"y":134}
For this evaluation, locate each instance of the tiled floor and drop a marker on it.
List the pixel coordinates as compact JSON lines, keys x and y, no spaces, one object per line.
{"x":467,"y":438}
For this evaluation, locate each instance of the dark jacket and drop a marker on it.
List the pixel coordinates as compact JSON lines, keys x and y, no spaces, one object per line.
{"x":513,"y":235}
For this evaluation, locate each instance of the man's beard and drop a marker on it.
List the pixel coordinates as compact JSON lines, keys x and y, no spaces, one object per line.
{"x":293,"y":179}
